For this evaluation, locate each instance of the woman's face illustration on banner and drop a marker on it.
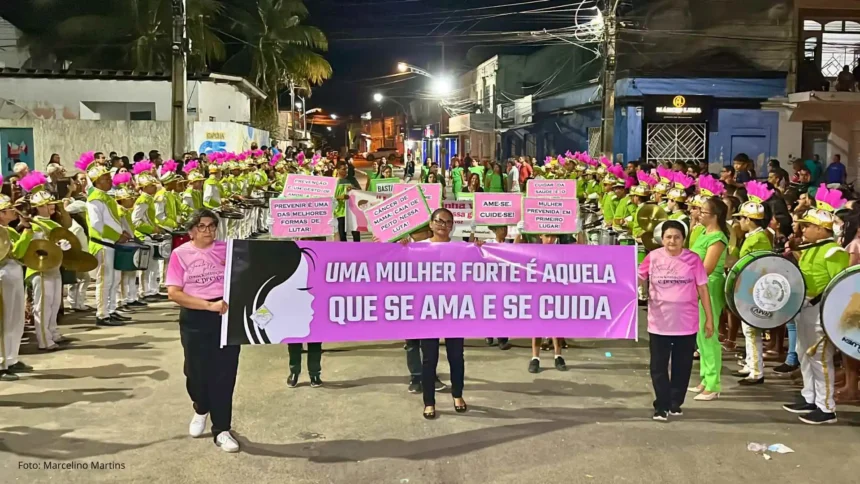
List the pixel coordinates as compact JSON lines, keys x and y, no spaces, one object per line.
{"x":291,"y":305}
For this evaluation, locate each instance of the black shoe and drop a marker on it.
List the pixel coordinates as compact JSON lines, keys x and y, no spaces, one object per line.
{"x":20,"y":367}
{"x":785,"y":369}
{"x":505,"y":346}
{"x":429,"y":412}
{"x":740,"y":374}
{"x":749,"y":382}
{"x":559,"y":364}
{"x":817,"y":417}
{"x":534,"y":365}
{"x":439,"y":385}
{"x":316,"y":381}
{"x":159,"y":297}
{"x":489,"y":341}
{"x":661,"y":416}
{"x":676,"y":412}
{"x":108,"y":322}
{"x":415,"y":387}
{"x":124,"y":309}
{"x":6,"y":375}
{"x":293,"y":380}
{"x":119,"y":317}
{"x":800,"y":408}
{"x":137,"y":304}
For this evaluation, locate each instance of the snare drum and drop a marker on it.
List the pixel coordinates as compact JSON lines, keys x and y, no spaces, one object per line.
{"x":161,"y":248}
{"x":765,"y":290}
{"x":68,"y":277}
{"x":840,"y":312}
{"x":131,"y":257}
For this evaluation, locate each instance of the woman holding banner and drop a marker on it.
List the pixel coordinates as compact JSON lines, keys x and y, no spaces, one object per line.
{"x":195,"y":281}
{"x":678,"y":281}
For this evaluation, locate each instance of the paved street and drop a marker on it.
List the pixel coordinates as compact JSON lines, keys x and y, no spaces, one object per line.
{"x":118,"y":395}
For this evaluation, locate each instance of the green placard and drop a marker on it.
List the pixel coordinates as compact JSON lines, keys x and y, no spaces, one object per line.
{"x":387,"y":185}
{"x":466,"y":196}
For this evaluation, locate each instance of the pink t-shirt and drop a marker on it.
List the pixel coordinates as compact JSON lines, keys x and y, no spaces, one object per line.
{"x":853,"y":249}
{"x":673,"y":298}
{"x":199,"y":272}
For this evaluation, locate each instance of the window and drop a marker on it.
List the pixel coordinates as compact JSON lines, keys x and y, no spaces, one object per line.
{"x":594,"y":141}
{"x":140,"y":115}
{"x":832,"y":44}
{"x":676,"y":141}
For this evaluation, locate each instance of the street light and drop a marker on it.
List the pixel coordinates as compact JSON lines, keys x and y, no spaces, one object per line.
{"x":442,"y":86}
{"x":298,"y":105}
{"x":328,"y":128}
{"x":378,"y":97}
{"x":334,"y":116}
{"x":401,"y":66}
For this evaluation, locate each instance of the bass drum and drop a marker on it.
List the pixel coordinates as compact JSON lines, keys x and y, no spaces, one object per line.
{"x":840,"y":312}
{"x":765,"y":290}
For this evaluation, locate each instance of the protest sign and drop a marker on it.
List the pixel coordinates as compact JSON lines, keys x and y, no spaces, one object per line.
{"x":498,"y":208}
{"x":432,"y":192}
{"x":304,"y":291}
{"x":302,"y":217}
{"x":549,"y":216}
{"x":465,"y":196}
{"x":398,"y":216}
{"x":463,"y":220}
{"x":551,"y":188}
{"x":356,"y":203}
{"x":384,"y":186}
{"x":309,"y":186}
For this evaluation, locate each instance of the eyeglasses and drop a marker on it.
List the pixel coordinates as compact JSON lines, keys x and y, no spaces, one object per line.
{"x":207,"y":227}
{"x":702,"y":212}
{"x":447,"y":223}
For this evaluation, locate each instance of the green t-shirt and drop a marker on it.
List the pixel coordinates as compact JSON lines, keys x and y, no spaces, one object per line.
{"x":608,"y":205}
{"x":457,"y":179}
{"x":755,"y":241}
{"x":480,"y":171}
{"x":340,"y":196}
{"x":703,"y":242}
{"x":496,"y":183}
{"x":820,"y":265}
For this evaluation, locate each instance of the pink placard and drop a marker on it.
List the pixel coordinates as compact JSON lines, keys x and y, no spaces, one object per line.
{"x":302,"y":217}
{"x":309,"y":186}
{"x":432,"y":192}
{"x":551,"y":188}
{"x":398,"y":216}
{"x":498,"y":208}
{"x":549,"y":216}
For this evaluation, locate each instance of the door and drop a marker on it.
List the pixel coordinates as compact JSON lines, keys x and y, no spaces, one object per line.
{"x":756,"y":147}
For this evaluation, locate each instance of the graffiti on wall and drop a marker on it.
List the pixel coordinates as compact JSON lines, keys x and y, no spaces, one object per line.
{"x":17,"y":147}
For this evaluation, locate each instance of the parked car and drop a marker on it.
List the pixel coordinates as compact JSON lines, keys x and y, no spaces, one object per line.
{"x":389,"y":153}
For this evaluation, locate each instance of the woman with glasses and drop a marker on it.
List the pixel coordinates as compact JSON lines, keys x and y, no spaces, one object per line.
{"x":195,"y":281}
{"x":441,"y":223}
{"x":711,"y":246}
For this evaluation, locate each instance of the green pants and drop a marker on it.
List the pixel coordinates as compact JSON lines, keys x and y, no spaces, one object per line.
{"x":710,"y":350}
{"x":314,"y":358}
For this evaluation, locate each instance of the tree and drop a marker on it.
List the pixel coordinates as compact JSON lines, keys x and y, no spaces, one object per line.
{"x":277,"y":50}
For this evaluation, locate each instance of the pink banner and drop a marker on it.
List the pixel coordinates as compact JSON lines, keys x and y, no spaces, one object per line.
{"x":498,"y":208}
{"x":302,"y":217}
{"x":551,"y":189}
{"x":398,"y":216}
{"x":432,"y":192}
{"x":357,"y":202}
{"x":309,"y":186}
{"x":549,"y":216}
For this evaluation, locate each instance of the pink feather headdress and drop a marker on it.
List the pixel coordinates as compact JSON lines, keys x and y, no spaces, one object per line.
{"x":276,"y":159}
{"x":300,"y":158}
{"x":121,"y":179}
{"x":645,"y":179}
{"x":168,"y":166}
{"x":758,"y":191}
{"x":32,"y":180}
{"x":141,"y":166}
{"x":606,"y":162}
{"x":710,"y":186}
{"x":315,"y":159}
{"x":666,"y":174}
{"x":190,"y":166}
{"x":681,"y":180}
{"x":548,"y":160}
{"x":85,"y":160}
{"x":829,"y":200}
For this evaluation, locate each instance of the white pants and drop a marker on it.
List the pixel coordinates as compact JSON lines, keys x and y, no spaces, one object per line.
{"x":47,"y":297}
{"x":754,"y":360}
{"x":128,"y":287}
{"x":107,"y":283}
{"x":817,"y":369}
{"x":14,"y":298}
{"x":78,"y":292}
{"x":149,"y":280}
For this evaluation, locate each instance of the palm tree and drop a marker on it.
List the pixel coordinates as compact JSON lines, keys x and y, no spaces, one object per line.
{"x":277,"y":51}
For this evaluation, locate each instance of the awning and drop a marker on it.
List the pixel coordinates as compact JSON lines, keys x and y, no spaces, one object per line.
{"x":824,"y":106}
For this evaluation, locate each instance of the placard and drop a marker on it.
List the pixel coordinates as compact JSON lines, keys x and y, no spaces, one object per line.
{"x":432,"y":192}
{"x":549,"y":216}
{"x":551,"y":188}
{"x":498,"y":208}
{"x":384,"y":186}
{"x":356,"y":203}
{"x":302,"y":217}
{"x":463,"y":220}
{"x":465,"y":196}
{"x":398,"y":216}
{"x":309,"y":186}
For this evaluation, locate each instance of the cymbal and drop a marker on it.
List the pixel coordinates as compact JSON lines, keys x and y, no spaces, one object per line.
{"x":649,"y":216}
{"x":79,"y":261}
{"x":43,"y":256}
{"x":5,"y":243}
{"x":58,"y":235}
{"x":650,"y":242}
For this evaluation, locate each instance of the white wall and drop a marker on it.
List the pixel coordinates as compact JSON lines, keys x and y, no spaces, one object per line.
{"x":11,"y":57}
{"x":223,"y":102}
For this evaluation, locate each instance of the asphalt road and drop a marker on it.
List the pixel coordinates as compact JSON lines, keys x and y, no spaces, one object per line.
{"x":117,"y":396}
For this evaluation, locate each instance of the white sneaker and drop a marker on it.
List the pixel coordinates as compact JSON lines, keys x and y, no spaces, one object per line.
{"x":197,"y":425}
{"x":227,"y":443}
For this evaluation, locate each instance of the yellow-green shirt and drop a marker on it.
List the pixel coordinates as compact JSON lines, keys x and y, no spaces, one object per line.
{"x":755,"y":241}
{"x":820,"y":265}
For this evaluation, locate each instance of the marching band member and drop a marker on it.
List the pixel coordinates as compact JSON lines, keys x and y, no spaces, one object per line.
{"x":754,"y":218}
{"x":676,"y":199}
{"x":192,"y":197}
{"x":143,"y":221}
{"x":125,"y":197}
{"x":166,"y":205}
{"x":12,"y":292}
{"x":819,"y":265}
{"x":609,"y":201}
{"x":625,"y":208}
{"x":640,"y":195}
{"x":77,"y":292}
{"x":48,"y":285}
{"x":711,"y":247}
{"x":212,"y":188}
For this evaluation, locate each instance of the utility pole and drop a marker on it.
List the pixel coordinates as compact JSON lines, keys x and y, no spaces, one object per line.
{"x":610,"y":38}
{"x":293,"y":138}
{"x":178,"y":78}
{"x":443,"y":152}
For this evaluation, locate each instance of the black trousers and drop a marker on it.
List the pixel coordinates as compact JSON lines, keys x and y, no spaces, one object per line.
{"x":210,"y":371}
{"x":413,"y":359}
{"x":314,"y":358}
{"x":671,"y":390}
{"x":341,"y":231}
{"x":430,"y":353}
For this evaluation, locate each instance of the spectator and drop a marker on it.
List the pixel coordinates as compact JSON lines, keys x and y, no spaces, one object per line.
{"x":704,"y":167}
{"x":21,"y":169}
{"x":835,"y":173}
{"x":55,"y":159}
{"x":727,"y":176}
{"x":845,"y":81}
{"x":526,"y":172}
{"x":513,"y":179}
{"x":743,"y":165}
{"x":781,"y":174}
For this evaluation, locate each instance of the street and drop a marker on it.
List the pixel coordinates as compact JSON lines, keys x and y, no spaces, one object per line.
{"x":117,"y":395}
